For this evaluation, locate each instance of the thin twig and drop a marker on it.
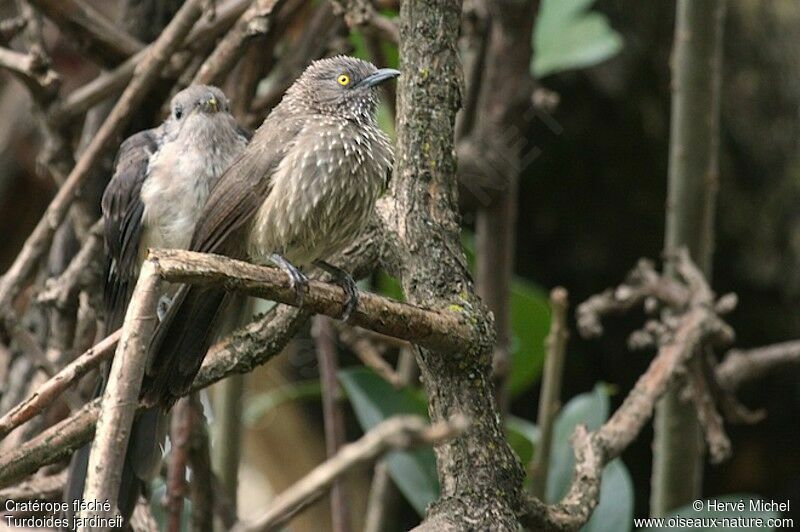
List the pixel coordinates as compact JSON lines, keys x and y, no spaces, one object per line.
{"x":202,"y":488}
{"x":255,"y":21}
{"x":240,"y":353}
{"x":364,"y":348}
{"x":181,"y":426}
{"x":44,"y":396}
{"x":550,"y":395}
{"x":402,"y":432}
{"x":742,"y":366}
{"x":327,"y":358}
{"x":109,"y":83}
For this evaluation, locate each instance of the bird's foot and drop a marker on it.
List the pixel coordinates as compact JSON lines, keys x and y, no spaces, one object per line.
{"x":164,"y":303}
{"x":348,"y":284}
{"x":297,"y":279}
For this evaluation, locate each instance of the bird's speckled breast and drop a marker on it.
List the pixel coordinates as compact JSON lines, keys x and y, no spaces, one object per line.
{"x":323,"y":191}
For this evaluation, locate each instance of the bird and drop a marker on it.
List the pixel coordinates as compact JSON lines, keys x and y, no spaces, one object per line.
{"x":303,"y":190}
{"x":162,"y":178}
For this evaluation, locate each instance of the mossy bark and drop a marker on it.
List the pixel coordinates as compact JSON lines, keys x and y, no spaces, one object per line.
{"x":480,"y":476}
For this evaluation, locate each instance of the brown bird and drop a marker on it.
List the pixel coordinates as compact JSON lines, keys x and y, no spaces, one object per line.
{"x":303,"y":190}
{"x":162,"y":178}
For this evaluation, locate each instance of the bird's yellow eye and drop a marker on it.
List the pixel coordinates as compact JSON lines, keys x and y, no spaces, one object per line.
{"x":343,"y":80}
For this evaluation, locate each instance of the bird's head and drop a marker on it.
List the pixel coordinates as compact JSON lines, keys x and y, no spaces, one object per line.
{"x":340,"y":86}
{"x":199,"y":110}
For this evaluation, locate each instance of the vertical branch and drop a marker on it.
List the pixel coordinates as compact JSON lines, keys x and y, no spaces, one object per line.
{"x":203,"y":480}
{"x":383,"y":494}
{"x":121,"y":395}
{"x":180,"y":433}
{"x":693,"y":183}
{"x":226,"y":454}
{"x":327,"y":358}
{"x":550,"y":395}
{"x":479,"y":474}
{"x":499,"y":129}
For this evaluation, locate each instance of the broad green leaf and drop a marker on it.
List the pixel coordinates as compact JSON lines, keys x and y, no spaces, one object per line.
{"x":743,"y":509}
{"x":567,"y":36}
{"x":590,"y":409}
{"x":614,"y":513}
{"x":530,"y":321}
{"x":523,"y":437}
{"x":375,"y":400}
{"x":259,"y":405}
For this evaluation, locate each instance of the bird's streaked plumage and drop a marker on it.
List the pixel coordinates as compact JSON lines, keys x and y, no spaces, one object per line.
{"x":303,"y":189}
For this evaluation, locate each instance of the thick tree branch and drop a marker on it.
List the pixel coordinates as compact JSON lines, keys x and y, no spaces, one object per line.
{"x":398,"y":433}
{"x":446,"y":331}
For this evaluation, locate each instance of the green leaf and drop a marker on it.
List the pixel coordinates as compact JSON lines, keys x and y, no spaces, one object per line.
{"x":530,"y":322}
{"x":736,"y":498}
{"x":614,"y":513}
{"x":568,"y":36}
{"x":389,"y":286}
{"x":523,"y":437}
{"x":590,"y":409}
{"x":262,"y":403}
{"x":375,"y":400}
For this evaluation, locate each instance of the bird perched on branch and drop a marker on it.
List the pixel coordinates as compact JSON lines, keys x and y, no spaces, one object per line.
{"x":303,"y":190}
{"x":162,"y":178}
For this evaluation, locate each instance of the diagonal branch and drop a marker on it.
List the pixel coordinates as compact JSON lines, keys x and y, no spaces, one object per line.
{"x":95,"y":34}
{"x":144,"y":77}
{"x":398,"y":433}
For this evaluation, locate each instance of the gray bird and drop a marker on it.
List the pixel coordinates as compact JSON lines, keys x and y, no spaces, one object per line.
{"x":303,"y":190}
{"x":162,"y":178}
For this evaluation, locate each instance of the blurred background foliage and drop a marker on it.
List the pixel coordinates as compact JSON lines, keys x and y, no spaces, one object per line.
{"x":589,"y":206}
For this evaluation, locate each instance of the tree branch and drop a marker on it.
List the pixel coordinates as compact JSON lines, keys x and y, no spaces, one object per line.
{"x":97,"y":36}
{"x":255,"y":21}
{"x":444,"y":330}
{"x":121,"y":394}
{"x":145,"y":75}
{"x":48,"y":392}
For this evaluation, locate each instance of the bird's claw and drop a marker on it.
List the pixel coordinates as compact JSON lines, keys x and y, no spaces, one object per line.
{"x":348,"y":284}
{"x":297,"y":279}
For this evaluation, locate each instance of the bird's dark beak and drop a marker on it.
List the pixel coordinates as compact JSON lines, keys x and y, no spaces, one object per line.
{"x":383,"y":74}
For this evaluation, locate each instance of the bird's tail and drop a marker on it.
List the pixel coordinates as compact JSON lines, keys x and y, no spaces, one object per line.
{"x":180,"y":343}
{"x":142,"y":463}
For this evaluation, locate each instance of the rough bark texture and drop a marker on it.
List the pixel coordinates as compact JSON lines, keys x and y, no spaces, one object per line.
{"x":480,"y":475}
{"x":693,"y":183}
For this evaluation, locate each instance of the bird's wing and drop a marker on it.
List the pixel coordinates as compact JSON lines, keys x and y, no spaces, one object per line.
{"x":241,"y":190}
{"x":122,"y":217}
{"x":183,"y":337}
